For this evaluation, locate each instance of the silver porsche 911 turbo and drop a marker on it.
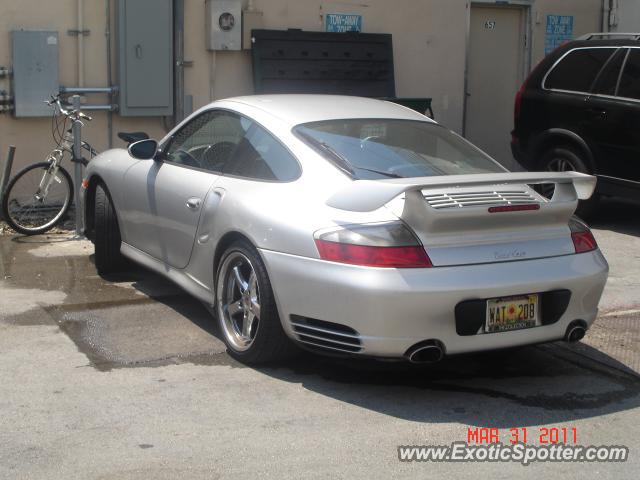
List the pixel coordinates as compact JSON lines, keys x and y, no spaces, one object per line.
{"x":351,"y":226}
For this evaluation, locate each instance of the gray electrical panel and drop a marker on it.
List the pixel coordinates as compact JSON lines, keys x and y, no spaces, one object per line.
{"x":35,"y":71}
{"x":145,"y":57}
{"x":223,"y":24}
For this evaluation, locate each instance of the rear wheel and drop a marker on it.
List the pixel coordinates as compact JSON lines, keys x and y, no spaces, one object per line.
{"x":108,"y":258}
{"x":565,"y":158}
{"x":246,"y":307}
{"x":37,"y":198}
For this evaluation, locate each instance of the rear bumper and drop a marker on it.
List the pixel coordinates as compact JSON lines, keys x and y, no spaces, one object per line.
{"x":393,"y":309}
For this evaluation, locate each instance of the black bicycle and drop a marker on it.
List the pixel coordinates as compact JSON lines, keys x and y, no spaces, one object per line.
{"x":40,"y":195}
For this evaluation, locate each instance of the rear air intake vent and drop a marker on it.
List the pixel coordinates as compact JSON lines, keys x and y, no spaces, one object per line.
{"x":478,"y":199}
{"x":326,"y":336}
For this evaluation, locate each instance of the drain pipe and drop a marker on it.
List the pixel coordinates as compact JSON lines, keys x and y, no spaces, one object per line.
{"x":107,"y":34}
{"x":613,"y":16}
{"x":605,"y":16}
{"x":178,"y":29}
{"x":80,"y":28}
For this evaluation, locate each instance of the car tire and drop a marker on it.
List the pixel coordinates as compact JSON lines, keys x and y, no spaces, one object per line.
{"x":107,"y":241}
{"x":563,"y":158}
{"x":244,"y":295}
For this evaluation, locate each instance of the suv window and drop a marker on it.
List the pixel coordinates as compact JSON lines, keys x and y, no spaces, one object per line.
{"x":630,"y":79}
{"x":260,"y":156}
{"x":578,"y":69}
{"x":207,"y":141}
{"x":607,"y":81}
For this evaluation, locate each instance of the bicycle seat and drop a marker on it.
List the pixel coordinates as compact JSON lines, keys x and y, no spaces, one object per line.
{"x":131,"y":137}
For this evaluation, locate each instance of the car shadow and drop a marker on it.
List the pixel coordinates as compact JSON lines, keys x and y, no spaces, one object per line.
{"x":549,"y":383}
{"x":618,"y":215}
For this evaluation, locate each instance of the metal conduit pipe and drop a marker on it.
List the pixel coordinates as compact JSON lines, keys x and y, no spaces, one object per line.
{"x":107,"y":34}
{"x":80,"y":29}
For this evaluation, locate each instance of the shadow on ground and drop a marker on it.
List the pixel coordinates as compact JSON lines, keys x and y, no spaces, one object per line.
{"x":551,"y":383}
{"x":141,"y":320}
{"x":617,"y":215}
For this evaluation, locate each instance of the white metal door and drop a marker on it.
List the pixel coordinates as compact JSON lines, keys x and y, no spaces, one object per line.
{"x":495,"y":66}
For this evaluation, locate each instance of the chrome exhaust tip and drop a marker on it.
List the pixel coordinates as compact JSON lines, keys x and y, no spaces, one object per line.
{"x":429,"y":351}
{"x":575,"y":332}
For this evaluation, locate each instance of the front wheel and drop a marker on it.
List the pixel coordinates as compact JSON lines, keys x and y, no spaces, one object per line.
{"x":37,"y":198}
{"x":107,"y":240}
{"x":246,"y":307}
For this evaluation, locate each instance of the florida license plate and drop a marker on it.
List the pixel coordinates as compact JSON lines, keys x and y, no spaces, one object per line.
{"x":512,"y":313}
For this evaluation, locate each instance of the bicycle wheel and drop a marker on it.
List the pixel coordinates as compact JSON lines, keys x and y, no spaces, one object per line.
{"x":29,"y":207}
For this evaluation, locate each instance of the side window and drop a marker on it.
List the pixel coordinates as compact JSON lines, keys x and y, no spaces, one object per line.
{"x":607,"y":81}
{"x":260,"y":156}
{"x":578,"y":69}
{"x":207,"y":141}
{"x":630,"y":79}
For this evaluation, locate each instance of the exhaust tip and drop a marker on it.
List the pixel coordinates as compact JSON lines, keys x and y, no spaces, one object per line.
{"x":429,"y":351}
{"x":575,"y":331}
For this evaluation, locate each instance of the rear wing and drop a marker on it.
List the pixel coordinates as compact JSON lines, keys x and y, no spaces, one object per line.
{"x":369,"y":195}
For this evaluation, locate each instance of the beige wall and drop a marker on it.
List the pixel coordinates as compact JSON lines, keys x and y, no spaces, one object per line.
{"x":627,"y":17}
{"x":427,"y":35}
{"x":429,"y":53}
{"x":587,"y":18}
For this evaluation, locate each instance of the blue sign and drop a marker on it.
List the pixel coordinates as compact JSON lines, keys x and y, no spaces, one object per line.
{"x":559,"y":30}
{"x":342,"y":22}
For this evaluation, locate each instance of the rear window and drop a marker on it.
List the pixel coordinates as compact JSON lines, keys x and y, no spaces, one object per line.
{"x":607,"y":82}
{"x":376,"y":149}
{"x":577,"y":70}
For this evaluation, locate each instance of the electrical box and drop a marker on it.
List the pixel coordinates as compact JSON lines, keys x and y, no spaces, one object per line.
{"x":223,"y":24}
{"x":145,"y":57}
{"x":35,"y":71}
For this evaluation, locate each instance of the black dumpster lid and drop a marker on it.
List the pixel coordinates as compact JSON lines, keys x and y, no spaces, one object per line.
{"x":296,"y":61}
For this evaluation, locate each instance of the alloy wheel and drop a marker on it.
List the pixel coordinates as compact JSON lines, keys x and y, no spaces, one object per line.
{"x":238,"y":297}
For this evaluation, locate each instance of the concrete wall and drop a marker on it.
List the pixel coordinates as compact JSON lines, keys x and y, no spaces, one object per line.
{"x":628,"y":16}
{"x":427,"y":34}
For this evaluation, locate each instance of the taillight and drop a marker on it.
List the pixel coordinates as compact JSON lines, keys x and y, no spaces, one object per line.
{"x":390,"y":245}
{"x":583,"y":240}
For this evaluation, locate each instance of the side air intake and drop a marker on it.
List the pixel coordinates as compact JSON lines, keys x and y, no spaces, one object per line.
{"x":326,"y":336}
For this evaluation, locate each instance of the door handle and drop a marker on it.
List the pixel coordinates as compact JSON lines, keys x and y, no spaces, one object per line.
{"x":193,"y":203}
{"x":597,"y":112}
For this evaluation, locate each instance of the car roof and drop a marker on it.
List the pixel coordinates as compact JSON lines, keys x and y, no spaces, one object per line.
{"x":303,"y":108}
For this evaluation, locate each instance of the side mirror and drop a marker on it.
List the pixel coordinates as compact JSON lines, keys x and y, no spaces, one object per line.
{"x":143,"y":149}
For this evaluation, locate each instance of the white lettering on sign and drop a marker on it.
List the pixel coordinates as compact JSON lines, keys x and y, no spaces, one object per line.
{"x":343,"y":22}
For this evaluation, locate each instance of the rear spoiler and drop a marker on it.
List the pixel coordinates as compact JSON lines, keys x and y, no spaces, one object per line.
{"x":369,"y":195}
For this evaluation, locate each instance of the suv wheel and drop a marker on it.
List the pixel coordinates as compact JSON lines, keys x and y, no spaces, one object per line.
{"x":565,"y":158}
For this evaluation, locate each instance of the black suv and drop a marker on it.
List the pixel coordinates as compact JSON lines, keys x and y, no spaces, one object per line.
{"x":580,"y":110}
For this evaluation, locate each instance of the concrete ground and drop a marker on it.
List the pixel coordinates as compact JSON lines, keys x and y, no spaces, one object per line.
{"x":125,"y":377}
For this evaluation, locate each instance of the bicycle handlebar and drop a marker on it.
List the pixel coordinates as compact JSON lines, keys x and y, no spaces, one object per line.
{"x":55,"y":100}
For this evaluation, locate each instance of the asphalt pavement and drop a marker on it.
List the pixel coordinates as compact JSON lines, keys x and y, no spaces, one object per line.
{"x":125,"y":377}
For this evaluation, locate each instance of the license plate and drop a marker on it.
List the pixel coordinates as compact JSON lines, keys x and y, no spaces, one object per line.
{"x":512,"y":313}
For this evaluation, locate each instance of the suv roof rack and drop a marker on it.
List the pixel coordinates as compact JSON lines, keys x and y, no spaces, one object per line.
{"x":603,"y":35}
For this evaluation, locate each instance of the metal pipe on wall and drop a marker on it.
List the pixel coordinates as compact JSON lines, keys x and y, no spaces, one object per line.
{"x":80,"y":30}
{"x":178,"y":42}
{"x":107,"y":34}
{"x":605,"y":15}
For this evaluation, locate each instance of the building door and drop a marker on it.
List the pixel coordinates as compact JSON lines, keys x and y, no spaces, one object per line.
{"x":495,"y":71}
